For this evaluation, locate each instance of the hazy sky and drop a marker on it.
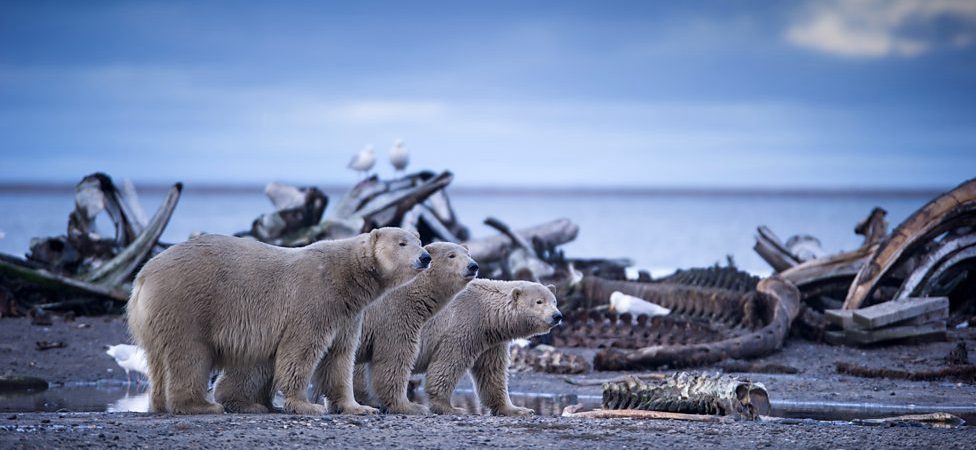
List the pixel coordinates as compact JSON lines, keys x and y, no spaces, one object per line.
{"x":835,"y":94}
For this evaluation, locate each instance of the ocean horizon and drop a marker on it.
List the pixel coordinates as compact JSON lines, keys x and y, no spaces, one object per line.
{"x":660,"y":229}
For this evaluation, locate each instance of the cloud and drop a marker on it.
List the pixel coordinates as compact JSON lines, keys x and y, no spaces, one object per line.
{"x":882,"y":28}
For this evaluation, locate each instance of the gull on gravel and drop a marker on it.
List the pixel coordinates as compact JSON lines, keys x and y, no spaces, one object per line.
{"x":363,"y":161}
{"x":129,"y":358}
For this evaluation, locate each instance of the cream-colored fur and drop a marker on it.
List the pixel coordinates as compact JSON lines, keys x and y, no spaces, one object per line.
{"x":473,"y":332}
{"x":262,"y":313}
{"x":391,"y":327}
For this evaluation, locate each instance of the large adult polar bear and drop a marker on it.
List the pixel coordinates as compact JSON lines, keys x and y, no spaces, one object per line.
{"x":218,"y":302}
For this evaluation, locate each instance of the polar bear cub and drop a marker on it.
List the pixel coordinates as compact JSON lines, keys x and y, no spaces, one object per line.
{"x":473,"y":333}
{"x":391,"y":327}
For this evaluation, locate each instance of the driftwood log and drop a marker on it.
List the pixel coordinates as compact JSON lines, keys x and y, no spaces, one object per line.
{"x":956,"y":208}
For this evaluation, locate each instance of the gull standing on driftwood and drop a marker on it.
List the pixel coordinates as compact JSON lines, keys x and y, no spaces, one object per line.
{"x":363,"y":161}
{"x":129,"y":358}
{"x":399,"y":156}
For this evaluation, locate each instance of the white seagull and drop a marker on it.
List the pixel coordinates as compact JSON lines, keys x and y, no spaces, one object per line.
{"x":399,"y":156}
{"x":363,"y":161}
{"x":129,"y":358}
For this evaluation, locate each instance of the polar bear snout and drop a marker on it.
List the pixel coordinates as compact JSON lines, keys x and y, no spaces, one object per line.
{"x":472,"y":270}
{"x":556,"y":319}
{"x":423,"y":261}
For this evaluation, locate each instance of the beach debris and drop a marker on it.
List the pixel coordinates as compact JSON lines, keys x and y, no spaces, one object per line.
{"x":130,"y":358}
{"x":84,"y":270}
{"x":296,"y":209}
{"x":707,"y":305}
{"x":961,"y":372}
{"x":940,"y":419}
{"x":575,"y":411}
{"x":690,"y":393}
{"x":40,"y":317}
{"x":930,"y":254}
{"x":47,"y":345}
{"x":546,"y":359}
{"x":399,"y":157}
{"x":760,"y":322}
{"x":621,"y":303}
{"x":890,"y":321}
{"x":363,"y":161}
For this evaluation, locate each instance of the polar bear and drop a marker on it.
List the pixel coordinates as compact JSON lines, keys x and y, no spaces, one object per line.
{"x":473,"y":333}
{"x":391,"y":327}
{"x":218,"y":302}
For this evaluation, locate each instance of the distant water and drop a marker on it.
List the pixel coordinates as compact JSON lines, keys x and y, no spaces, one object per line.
{"x":660,"y":232}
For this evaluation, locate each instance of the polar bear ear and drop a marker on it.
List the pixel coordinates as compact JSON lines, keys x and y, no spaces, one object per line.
{"x":516,"y":293}
{"x":465,"y":247}
{"x":371,"y":243}
{"x":415,"y":233}
{"x":552,"y":288}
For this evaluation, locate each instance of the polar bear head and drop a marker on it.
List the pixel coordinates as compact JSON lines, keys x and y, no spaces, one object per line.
{"x":535,"y":307}
{"x":452,"y":264}
{"x":396,"y":255}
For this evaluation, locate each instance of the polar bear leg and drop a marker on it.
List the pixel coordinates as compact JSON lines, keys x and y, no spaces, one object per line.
{"x":246,"y":388}
{"x":188,"y":373}
{"x":490,"y":373}
{"x":442,"y":377}
{"x":157,"y":382}
{"x":333,"y":377}
{"x":390,"y":374}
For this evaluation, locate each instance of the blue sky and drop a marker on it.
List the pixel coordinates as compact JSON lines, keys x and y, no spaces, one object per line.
{"x":861,"y":93}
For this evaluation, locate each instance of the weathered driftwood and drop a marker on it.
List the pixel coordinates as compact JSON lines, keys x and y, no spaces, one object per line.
{"x":83,"y":270}
{"x":121,"y":267}
{"x":936,"y":217}
{"x":778,"y":300}
{"x":574,"y":411}
{"x":295,"y":208}
{"x":494,"y":248}
{"x":890,"y":312}
{"x":522,"y":261}
{"x":771,"y":248}
{"x":933,"y":419}
{"x":688,"y":393}
{"x":416,"y":202}
{"x":17,"y":272}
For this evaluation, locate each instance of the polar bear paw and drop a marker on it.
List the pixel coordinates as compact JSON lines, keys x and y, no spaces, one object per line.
{"x":515,"y":411}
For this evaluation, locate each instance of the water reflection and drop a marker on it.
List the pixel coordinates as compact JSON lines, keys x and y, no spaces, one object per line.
{"x":121,"y":398}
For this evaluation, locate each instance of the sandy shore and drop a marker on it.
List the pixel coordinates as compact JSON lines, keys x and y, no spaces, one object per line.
{"x":82,"y":364}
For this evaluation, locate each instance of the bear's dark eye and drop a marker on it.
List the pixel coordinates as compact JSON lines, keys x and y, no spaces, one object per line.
{"x":451,"y":256}
{"x":538,"y":302}
{"x":403,"y":244}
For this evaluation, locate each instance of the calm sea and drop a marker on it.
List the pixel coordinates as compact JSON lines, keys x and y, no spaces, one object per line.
{"x":658,"y":231}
